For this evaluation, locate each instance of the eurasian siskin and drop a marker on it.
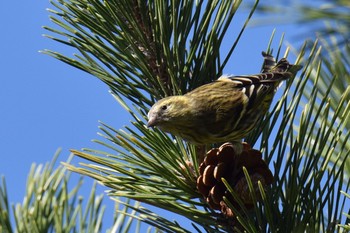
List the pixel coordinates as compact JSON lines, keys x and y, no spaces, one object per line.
{"x":224,"y":110}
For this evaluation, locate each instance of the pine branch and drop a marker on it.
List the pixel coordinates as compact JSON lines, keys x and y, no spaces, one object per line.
{"x":329,"y":19}
{"x":50,"y":206}
{"x":5,"y":222}
{"x":147,"y":50}
{"x":158,"y":47}
{"x":333,"y":34}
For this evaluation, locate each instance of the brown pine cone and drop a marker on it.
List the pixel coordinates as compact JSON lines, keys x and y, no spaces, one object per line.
{"x":224,"y":162}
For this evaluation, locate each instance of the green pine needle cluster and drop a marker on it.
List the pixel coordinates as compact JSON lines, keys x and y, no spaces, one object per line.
{"x":146,"y":50}
{"x":53,"y":204}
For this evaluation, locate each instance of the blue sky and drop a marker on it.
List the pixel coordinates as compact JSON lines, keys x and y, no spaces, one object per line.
{"x":46,"y":104}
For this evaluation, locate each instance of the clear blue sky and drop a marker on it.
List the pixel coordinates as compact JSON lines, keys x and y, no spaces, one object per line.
{"x":46,"y":104}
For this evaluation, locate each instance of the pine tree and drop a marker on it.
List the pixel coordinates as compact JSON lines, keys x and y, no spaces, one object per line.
{"x":146,"y":50}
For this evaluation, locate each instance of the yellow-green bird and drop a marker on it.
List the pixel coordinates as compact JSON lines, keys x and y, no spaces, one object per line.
{"x":224,"y":110}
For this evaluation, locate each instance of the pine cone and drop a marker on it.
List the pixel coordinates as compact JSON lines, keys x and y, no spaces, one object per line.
{"x":224,"y":162}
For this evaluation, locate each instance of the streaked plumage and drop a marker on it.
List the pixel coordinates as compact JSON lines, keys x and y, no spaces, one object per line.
{"x":224,"y":110}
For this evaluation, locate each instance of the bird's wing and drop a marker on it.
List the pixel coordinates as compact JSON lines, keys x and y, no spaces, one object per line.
{"x":263,"y":78}
{"x":216,"y":104}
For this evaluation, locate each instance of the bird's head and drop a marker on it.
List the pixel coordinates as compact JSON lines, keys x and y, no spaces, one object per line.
{"x":167,"y":112}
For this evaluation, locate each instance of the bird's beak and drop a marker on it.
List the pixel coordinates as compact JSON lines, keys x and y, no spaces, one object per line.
{"x":151,"y":121}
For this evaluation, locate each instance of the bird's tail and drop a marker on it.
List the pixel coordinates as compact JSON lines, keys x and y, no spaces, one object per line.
{"x":269,"y":62}
{"x":270,"y":65}
{"x":272,"y":73}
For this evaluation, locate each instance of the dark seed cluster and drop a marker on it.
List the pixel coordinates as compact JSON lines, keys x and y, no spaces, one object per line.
{"x":224,"y":162}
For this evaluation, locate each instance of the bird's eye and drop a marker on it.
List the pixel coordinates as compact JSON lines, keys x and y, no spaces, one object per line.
{"x":164,"y":107}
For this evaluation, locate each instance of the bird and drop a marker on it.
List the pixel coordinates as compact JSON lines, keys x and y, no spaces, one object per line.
{"x":225,"y":110}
